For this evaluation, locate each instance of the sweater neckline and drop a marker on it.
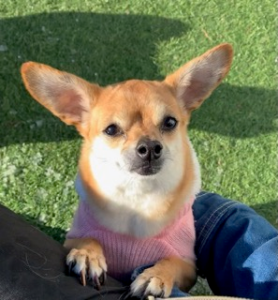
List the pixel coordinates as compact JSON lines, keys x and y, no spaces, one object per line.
{"x":83,"y":196}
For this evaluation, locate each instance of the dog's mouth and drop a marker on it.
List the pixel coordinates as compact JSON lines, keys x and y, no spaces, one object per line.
{"x":147,"y":168}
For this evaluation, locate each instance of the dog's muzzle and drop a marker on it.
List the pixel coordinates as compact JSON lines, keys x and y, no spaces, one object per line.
{"x":148,"y":157}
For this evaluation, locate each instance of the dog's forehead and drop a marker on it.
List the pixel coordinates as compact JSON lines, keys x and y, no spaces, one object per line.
{"x":149,"y":99}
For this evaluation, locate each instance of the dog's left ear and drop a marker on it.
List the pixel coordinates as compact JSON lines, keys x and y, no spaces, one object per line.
{"x":195,"y":81}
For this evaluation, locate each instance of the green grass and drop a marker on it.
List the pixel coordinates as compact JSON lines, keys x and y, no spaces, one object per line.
{"x":234,"y":132}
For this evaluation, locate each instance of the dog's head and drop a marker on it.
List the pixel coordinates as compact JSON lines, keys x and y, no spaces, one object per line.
{"x":135,"y":131}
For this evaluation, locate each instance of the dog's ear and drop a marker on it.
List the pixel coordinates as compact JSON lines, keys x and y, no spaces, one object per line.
{"x":65,"y":95}
{"x":195,"y":81}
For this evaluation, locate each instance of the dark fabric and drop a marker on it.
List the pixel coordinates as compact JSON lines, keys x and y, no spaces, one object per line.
{"x":32,"y":266}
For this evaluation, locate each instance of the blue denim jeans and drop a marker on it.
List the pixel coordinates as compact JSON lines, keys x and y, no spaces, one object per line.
{"x":236,"y":249}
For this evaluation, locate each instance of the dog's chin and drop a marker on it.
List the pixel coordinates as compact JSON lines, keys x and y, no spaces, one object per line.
{"x":146,"y":170}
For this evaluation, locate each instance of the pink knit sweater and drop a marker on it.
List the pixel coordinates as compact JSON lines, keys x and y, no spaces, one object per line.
{"x":124,"y":253}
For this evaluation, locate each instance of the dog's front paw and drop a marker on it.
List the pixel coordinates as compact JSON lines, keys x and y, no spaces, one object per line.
{"x":89,"y":265}
{"x":152,"y":283}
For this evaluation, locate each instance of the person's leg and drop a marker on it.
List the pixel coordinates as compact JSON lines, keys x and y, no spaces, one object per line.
{"x":237,"y":250}
{"x":33,"y":266}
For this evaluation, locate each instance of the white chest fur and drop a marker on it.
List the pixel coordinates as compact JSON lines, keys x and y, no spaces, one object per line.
{"x":133,"y":197}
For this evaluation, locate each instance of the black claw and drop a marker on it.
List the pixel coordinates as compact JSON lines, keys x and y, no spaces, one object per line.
{"x":83,"y":278}
{"x":146,"y":296}
{"x":102,"y":278}
{"x":162,"y":294}
{"x":128,"y":295}
{"x":96,"y":283}
{"x":70,"y":267}
{"x":88,"y":278}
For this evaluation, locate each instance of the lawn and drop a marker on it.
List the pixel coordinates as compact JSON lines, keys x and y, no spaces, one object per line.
{"x":234,"y":132}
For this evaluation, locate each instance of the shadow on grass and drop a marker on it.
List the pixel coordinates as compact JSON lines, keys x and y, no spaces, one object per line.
{"x":56,"y":233}
{"x":238,"y":112}
{"x":269,"y":211}
{"x":102,"y":48}
{"x":107,"y":48}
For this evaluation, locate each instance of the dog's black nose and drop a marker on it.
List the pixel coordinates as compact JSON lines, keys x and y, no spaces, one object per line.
{"x":148,"y":149}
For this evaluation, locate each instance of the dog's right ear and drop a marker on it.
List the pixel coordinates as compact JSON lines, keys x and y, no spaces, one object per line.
{"x":196,"y":80}
{"x":65,"y":95}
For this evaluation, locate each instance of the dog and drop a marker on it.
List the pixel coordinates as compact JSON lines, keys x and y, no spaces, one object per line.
{"x":138,"y":172}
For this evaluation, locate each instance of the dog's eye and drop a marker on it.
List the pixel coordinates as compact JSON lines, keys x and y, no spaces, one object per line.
{"x":168,"y":124}
{"x":113,"y":130}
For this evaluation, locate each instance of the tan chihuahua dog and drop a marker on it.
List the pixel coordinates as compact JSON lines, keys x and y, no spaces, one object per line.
{"x":138,"y":173}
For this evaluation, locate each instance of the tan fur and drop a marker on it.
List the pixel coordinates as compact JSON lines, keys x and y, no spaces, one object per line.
{"x":164,"y":274}
{"x":86,"y":250}
{"x":129,"y":90}
{"x":138,"y":107}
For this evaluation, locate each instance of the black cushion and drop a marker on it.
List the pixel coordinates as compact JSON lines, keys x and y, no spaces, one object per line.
{"x":32,"y":266}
